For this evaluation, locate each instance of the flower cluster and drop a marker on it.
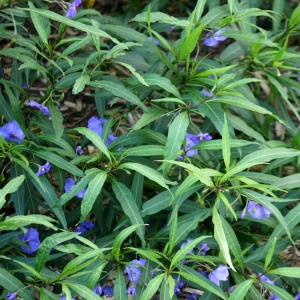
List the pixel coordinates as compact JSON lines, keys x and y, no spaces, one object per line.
{"x":39,"y":106}
{"x":69,"y":183}
{"x":257,"y":211}
{"x":213,"y":38}
{"x":11,"y":131}
{"x":219,"y":274}
{"x":192,"y":296}
{"x":43,"y":169}
{"x":84,"y":227}
{"x":108,"y":290}
{"x":179,"y":285}
{"x":156,"y":42}
{"x":71,"y":12}
{"x":31,"y":239}
{"x":134,"y":272}
{"x":96,"y":125}
{"x":193,"y":140}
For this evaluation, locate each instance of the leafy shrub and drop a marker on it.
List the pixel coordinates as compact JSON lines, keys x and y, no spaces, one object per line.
{"x":186,"y":175}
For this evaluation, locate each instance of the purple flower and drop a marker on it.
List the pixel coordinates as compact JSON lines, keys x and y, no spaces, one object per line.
{"x":84,"y":227}
{"x":11,"y":131}
{"x":69,"y":184}
{"x":11,"y":296}
{"x":220,"y":274}
{"x":179,"y":286}
{"x":243,"y":213}
{"x":274,"y":297}
{"x":131,"y":290}
{"x":77,"y":2}
{"x":39,"y":106}
{"x":231,"y":289}
{"x":24,"y":85}
{"x":156,"y":42}
{"x":31,"y":239}
{"x":133,"y":271}
{"x":64,"y":298}
{"x":184,"y":244}
{"x":203,"y":273}
{"x":110,"y":139}
{"x":297,"y":297}
{"x":213,"y":38}
{"x":211,"y":76}
{"x":71,"y":12}
{"x":192,"y":296}
{"x":108,"y":290}
{"x":79,"y":150}
{"x":95,"y":125}
{"x":171,"y":28}
{"x":203,"y":248}
{"x":257,"y":211}
{"x":265,"y":279}
{"x":208,"y":94}
{"x":97,"y":289}
{"x":43,"y":169}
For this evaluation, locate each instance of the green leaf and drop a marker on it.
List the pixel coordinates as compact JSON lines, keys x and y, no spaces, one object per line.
{"x":119,"y":91}
{"x":12,"y":284}
{"x":57,"y":120}
{"x":293,"y":272}
{"x":119,"y":285}
{"x":288,"y":182}
{"x":189,"y":181}
{"x":147,"y":150}
{"x":182,"y":252}
{"x":189,"y":43}
{"x":217,"y":144}
{"x":59,"y":142}
{"x":163,"y":82}
{"x":226,"y":144}
{"x":270,"y":254}
{"x":199,"y":9}
{"x":129,"y":207}
{"x":152,"y":287}
{"x":279,"y":291}
{"x":241,"y":82}
{"x":5,"y":109}
{"x":176,"y":136}
{"x":91,"y":194}
{"x":233,"y":242}
{"x":241,"y":102}
{"x":39,"y":25}
{"x":173,"y":229}
{"x":295,"y":17}
{"x":230,"y":5}
{"x":241,"y":290}
{"x":116,"y":247}
{"x":83,"y":291}
{"x":220,"y":237}
{"x":56,"y":160}
{"x":69,"y":22}
{"x":47,"y":244}
{"x":29,"y":269}
{"x":95,"y":139}
{"x":80,"y":84}
{"x":149,"y":173}
{"x":77,"y":45}
{"x":195,"y":277}
{"x":148,"y":117}
{"x":10,"y":187}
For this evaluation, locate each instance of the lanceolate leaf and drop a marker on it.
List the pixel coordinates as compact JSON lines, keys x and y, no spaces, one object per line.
{"x":152,"y":287}
{"x":241,"y":290}
{"x":83,"y":291}
{"x":226,"y":144}
{"x":91,"y":194}
{"x":57,"y":120}
{"x":220,"y":237}
{"x":119,"y":286}
{"x":129,"y":206}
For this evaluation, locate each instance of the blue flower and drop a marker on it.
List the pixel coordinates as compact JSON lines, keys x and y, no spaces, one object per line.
{"x":84,"y":227}
{"x":133,"y":271}
{"x":192,"y":296}
{"x":11,"y":296}
{"x":156,"y":42}
{"x":69,"y":183}
{"x":97,"y":289}
{"x":108,"y":290}
{"x":79,"y":150}
{"x":265,"y":279}
{"x":213,"y":38}
{"x":274,"y":297}
{"x":257,"y":211}
{"x":39,"y":106}
{"x":297,"y":297}
{"x":220,"y":274}
{"x":203,"y":248}
{"x":43,"y":169}
{"x":11,"y":131}
{"x":71,"y":12}
{"x":208,"y":94}
{"x":110,"y":139}
{"x":131,"y":290}
{"x":31,"y":239}
{"x":95,"y":125}
{"x":203,"y":273}
{"x":179,"y":286}
{"x":231,"y":289}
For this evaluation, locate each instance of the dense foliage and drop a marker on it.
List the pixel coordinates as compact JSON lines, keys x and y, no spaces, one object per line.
{"x":181,"y":178}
